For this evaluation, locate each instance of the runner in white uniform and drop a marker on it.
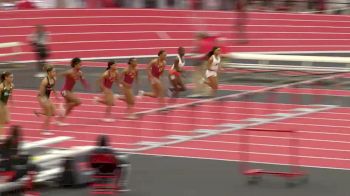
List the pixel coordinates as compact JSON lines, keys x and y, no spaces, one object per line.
{"x":175,"y":73}
{"x":212,"y":69}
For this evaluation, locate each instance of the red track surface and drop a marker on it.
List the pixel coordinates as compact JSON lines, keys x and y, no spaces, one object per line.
{"x":324,"y":136}
{"x":106,"y":33}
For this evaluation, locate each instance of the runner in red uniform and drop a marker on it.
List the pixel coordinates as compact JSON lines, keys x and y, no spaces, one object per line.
{"x":71,"y":100}
{"x":155,"y":70}
{"x":105,"y":82}
{"x":129,"y":75}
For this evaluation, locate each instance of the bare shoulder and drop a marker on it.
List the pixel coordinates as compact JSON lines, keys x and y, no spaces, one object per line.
{"x":154,"y":61}
{"x":44,"y":81}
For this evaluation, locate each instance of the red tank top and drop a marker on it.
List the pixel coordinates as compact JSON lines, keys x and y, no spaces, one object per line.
{"x":70,"y":82}
{"x":157,"y":70}
{"x":108,"y":81}
{"x":129,"y":77}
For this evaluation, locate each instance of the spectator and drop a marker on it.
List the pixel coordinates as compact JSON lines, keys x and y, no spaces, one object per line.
{"x":11,"y":157}
{"x":10,"y":145}
{"x":39,"y":40}
{"x":241,"y":21}
{"x":123,"y":164}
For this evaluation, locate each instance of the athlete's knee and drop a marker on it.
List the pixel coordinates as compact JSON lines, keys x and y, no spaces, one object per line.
{"x":77,"y":102}
{"x":131,"y":102}
{"x":109,"y":102}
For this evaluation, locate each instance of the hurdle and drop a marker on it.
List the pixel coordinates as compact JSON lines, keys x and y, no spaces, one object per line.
{"x":294,"y":176}
{"x":240,"y":95}
{"x":297,"y":68}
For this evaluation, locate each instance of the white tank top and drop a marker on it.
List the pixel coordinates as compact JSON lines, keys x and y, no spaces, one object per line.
{"x":181,"y":63}
{"x":215,"y":64}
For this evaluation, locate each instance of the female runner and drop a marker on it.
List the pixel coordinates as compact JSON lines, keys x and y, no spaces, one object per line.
{"x":214,"y":60}
{"x":128,"y":76}
{"x":6,"y":88}
{"x":175,"y":73}
{"x":45,"y":89}
{"x":105,"y":83}
{"x":155,"y":71}
{"x":71,"y":100}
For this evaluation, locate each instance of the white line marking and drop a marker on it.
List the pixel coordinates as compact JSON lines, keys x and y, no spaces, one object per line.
{"x":208,"y":105}
{"x":278,"y":114}
{"x":264,"y":106}
{"x":173,"y":17}
{"x":227,"y":32}
{"x":164,"y":36}
{"x":204,"y":131}
{"x":148,"y":143}
{"x":234,"y":129}
{"x":256,"y":119}
{"x":177,"y":137}
{"x":170,"y":131}
{"x":201,"y":140}
{"x":204,"y":104}
{"x":179,"y":24}
{"x":233,"y":125}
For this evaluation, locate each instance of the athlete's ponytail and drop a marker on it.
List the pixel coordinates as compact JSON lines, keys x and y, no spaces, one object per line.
{"x":4,"y":75}
{"x":49,"y":68}
{"x":109,"y":64}
{"x":75,"y":61}
{"x":161,"y":52}
{"x":211,"y":53}
{"x":130,"y":60}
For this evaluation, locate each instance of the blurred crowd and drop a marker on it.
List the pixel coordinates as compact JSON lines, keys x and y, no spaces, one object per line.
{"x":336,"y":6}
